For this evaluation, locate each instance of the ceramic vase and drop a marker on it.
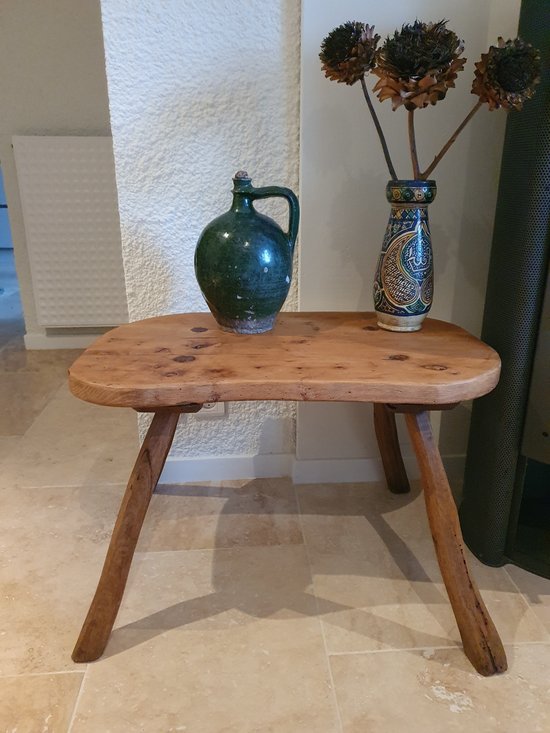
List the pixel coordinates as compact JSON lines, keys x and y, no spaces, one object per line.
{"x":403,"y":286}
{"x":243,"y":260}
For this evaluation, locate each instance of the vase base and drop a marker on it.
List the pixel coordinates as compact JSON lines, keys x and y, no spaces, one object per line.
{"x":244,"y":326}
{"x":404,"y":324}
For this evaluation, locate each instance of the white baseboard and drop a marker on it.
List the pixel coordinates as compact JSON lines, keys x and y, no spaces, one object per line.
{"x":39,"y":341}
{"x":343,"y":470}
{"x":338,"y":470}
{"x":220,"y":468}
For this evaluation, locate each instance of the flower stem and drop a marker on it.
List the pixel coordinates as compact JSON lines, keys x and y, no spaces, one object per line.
{"x":393,"y":174}
{"x":451,"y":140}
{"x":412,"y":145}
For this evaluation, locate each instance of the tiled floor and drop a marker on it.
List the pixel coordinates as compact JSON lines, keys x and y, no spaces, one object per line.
{"x":252,"y":606}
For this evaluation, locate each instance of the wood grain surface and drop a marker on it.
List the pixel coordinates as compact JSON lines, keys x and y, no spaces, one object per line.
{"x":108,"y":596}
{"x":175,"y":359}
{"x":390,"y":451}
{"x":482,"y":644}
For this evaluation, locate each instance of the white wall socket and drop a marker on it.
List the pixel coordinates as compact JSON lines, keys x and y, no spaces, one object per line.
{"x":212,"y":409}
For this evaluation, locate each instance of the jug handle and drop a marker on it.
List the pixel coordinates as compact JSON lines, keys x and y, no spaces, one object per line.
{"x":294,"y":207}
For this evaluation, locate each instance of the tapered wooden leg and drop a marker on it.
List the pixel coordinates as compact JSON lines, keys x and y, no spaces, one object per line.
{"x":482,"y":644}
{"x":147,"y":469}
{"x":388,"y":443}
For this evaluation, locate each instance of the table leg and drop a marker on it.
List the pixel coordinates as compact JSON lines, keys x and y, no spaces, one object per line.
{"x":482,"y":644}
{"x":388,"y":443}
{"x":147,"y":469}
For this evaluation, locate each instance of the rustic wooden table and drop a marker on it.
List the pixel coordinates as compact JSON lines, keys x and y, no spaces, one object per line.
{"x":174,"y":364}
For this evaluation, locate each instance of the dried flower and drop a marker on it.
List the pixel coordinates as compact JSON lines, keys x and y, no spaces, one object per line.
{"x":348,"y":52}
{"x":418,"y":64}
{"x":507,"y":74}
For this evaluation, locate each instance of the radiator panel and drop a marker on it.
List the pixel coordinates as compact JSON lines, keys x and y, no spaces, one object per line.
{"x":70,"y":211}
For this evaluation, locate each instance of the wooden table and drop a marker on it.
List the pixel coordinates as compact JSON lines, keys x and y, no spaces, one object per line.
{"x":174,"y":364}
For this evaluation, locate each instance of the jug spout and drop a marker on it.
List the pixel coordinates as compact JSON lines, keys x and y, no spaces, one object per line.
{"x":242,"y":189}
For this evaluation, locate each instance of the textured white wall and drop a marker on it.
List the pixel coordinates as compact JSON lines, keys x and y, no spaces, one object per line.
{"x":343,"y":176}
{"x":52,"y":82}
{"x":197,"y":90}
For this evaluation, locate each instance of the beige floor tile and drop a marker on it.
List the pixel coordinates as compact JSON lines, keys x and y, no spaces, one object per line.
{"x":29,"y":380}
{"x":52,"y":546}
{"x":377,"y":578}
{"x":38,"y":704}
{"x":536,"y":591}
{"x":74,"y":443}
{"x":15,"y":358}
{"x":23,"y":397}
{"x":401,"y":514}
{"x":223,"y":640}
{"x":7,"y":446}
{"x":226,"y":514}
{"x":242,"y":583}
{"x":503,"y":601}
{"x":437,"y":691}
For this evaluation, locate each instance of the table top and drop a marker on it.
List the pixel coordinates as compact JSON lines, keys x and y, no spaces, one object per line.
{"x":176,"y":359}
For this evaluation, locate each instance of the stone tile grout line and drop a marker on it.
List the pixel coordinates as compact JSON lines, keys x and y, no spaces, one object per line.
{"x":40,"y":487}
{"x":321,"y":627}
{"x":391,"y":650}
{"x":41,"y":674}
{"x":78,"y":698}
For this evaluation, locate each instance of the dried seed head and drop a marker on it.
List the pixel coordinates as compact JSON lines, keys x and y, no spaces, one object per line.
{"x":507,"y":74}
{"x":418,"y":64}
{"x":348,"y":52}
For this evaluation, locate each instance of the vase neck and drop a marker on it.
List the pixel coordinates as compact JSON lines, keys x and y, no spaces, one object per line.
{"x":242,"y":203}
{"x":412,"y":192}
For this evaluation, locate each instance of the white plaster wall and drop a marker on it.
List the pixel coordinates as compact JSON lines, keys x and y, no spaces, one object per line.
{"x":52,"y":82}
{"x":198,"y":90}
{"x":343,"y":176}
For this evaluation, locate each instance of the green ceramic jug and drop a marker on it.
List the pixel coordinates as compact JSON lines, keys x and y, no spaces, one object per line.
{"x":243,"y":260}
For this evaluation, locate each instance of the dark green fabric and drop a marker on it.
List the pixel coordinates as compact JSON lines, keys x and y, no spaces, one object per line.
{"x":515,"y":289}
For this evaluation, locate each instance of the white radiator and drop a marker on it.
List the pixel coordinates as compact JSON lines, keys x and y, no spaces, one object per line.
{"x":70,"y":211}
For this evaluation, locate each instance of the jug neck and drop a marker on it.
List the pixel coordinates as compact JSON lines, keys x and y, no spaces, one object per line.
{"x":242,"y":202}
{"x":242,"y":193}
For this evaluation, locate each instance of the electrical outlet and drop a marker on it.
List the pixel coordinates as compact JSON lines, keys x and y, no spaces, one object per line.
{"x":212,"y":409}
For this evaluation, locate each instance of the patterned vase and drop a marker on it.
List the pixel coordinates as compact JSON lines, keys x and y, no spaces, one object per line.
{"x":403,"y":286}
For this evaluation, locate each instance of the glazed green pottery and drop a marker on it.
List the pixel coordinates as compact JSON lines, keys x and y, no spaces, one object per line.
{"x":403,"y":286}
{"x":243,"y":260}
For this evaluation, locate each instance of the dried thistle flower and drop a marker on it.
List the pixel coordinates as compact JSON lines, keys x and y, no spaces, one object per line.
{"x":348,"y":52}
{"x":418,"y":64}
{"x":507,"y":74}
{"x":416,"y":67}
